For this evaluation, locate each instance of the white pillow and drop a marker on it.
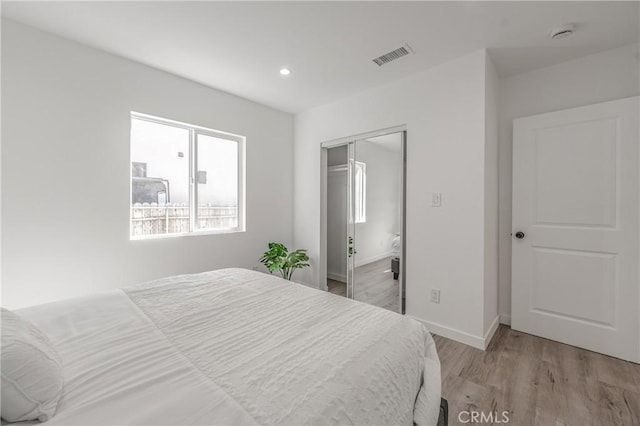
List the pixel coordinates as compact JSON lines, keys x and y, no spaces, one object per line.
{"x":31,"y":372}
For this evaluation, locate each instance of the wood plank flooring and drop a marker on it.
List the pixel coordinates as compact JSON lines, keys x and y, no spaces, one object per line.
{"x":536,"y":381}
{"x":374,"y":284}
{"x":539,"y":382}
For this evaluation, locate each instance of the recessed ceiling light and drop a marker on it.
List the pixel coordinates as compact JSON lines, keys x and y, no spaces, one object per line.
{"x":285,"y":71}
{"x":562,"y":32}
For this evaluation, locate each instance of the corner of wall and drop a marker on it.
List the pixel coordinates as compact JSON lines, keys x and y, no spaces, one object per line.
{"x":478,"y":342}
{"x":96,"y":243}
{"x":491,"y":195}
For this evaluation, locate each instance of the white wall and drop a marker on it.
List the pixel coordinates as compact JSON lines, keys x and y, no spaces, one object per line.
{"x":444,"y":111}
{"x":337,"y":224}
{"x":337,"y":213}
{"x":337,"y":156}
{"x":374,"y":236}
{"x":65,"y":170}
{"x":491,"y":199}
{"x":605,"y":76}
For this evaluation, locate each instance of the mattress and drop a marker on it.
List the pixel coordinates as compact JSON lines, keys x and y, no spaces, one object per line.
{"x":238,"y":347}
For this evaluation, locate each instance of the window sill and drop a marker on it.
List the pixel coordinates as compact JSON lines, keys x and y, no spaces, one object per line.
{"x":186,"y":234}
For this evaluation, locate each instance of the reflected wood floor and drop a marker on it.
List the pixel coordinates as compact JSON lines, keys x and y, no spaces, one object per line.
{"x":539,"y":382}
{"x":374,"y":284}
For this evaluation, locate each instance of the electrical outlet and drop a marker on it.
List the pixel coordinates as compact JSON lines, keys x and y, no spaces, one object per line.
{"x":436,"y":199}
{"x":435,"y":295}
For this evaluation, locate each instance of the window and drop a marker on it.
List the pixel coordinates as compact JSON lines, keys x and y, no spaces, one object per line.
{"x":138,"y":169}
{"x":360,"y":192}
{"x":184,"y":179}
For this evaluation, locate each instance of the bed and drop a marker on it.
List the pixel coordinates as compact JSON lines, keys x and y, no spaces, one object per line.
{"x":237,"y":347}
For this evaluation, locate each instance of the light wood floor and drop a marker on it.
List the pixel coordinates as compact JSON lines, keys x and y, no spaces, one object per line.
{"x":374,"y":284}
{"x":540,"y":382}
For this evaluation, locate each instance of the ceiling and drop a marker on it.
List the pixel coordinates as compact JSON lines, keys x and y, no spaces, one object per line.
{"x":239,"y":47}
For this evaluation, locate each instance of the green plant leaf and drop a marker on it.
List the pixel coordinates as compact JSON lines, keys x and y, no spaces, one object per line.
{"x":278,"y":259}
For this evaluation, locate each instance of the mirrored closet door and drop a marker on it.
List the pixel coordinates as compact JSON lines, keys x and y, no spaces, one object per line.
{"x":365,"y":187}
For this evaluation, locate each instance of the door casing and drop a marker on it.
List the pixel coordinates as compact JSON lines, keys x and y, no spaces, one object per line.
{"x":575,"y":275}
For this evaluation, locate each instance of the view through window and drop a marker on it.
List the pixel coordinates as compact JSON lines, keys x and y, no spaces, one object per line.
{"x":184,"y":179}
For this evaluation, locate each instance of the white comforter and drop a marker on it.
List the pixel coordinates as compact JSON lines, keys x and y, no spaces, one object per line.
{"x":238,"y":347}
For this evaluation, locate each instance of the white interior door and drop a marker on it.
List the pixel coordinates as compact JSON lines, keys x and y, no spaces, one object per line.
{"x":576,"y":190}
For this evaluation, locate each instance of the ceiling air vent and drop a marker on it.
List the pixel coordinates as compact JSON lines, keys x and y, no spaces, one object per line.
{"x":393,"y":55}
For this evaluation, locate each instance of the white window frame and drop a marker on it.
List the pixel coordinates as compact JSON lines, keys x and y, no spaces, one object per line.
{"x":360,"y":211}
{"x":195,"y":130}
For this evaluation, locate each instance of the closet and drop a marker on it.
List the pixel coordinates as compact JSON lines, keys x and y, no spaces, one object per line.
{"x":364,"y":179}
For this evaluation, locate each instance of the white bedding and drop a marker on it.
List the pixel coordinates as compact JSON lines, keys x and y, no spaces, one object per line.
{"x":238,"y":347}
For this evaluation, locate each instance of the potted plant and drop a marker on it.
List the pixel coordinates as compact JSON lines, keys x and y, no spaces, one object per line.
{"x":278,"y":258}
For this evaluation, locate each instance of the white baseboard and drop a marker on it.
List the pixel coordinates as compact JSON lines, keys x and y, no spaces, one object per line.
{"x":505,"y":319}
{"x":337,"y":277}
{"x":491,"y":331}
{"x":452,"y":333}
{"x":368,"y":260}
{"x":461,"y":336}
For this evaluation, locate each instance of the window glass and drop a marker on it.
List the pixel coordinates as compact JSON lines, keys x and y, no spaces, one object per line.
{"x":217,"y":183}
{"x":160,"y":189}
{"x":173,"y":165}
